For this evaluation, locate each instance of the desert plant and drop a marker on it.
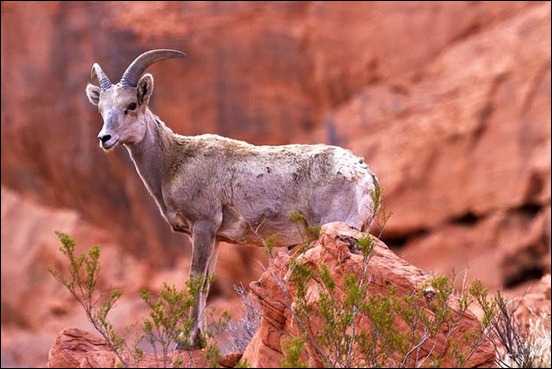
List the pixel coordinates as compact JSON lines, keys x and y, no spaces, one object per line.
{"x":517,"y":346}
{"x":308,"y":232}
{"x":294,"y":347}
{"x":242,"y":331}
{"x":381,"y":214}
{"x":539,"y":342}
{"x":403,"y":328}
{"x":403,"y":331}
{"x":167,"y":323}
{"x":168,"y":318}
{"x":82,"y":282}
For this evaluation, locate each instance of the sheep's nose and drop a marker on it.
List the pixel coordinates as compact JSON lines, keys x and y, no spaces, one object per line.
{"x":104,"y":138}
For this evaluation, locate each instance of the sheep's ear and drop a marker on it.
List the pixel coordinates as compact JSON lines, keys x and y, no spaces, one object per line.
{"x":93,"y":93}
{"x":145,"y":88}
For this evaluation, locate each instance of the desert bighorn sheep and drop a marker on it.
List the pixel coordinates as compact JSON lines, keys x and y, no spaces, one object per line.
{"x":219,"y":189}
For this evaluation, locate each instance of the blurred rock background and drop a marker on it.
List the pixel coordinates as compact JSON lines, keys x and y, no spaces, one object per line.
{"x":449,"y":103}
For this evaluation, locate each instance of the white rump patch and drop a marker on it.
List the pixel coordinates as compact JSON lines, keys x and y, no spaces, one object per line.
{"x":349,"y":166}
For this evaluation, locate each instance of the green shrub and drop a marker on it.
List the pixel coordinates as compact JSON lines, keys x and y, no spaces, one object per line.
{"x":84,"y":271}
{"x":167,"y":323}
{"x":401,"y":327}
{"x":518,"y":346}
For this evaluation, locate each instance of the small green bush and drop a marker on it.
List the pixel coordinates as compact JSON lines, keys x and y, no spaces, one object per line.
{"x":401,"y":330}
{"x":168,"y":321}
{"x":84,"y":271}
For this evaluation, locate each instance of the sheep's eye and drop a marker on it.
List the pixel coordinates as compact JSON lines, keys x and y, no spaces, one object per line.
{"x":131,"y":106}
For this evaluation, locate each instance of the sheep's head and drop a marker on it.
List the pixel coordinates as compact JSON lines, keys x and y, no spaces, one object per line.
{"x":123,"y":105}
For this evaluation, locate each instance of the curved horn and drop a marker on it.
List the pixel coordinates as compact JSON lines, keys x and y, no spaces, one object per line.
{"x":139,"y":65}
{"x":97,"y":72}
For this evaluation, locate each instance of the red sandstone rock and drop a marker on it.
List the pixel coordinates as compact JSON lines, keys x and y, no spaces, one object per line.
{"x":533,"y":303}
{"x":463,"y":150}
{"x":75,"y":348}
{"x":72,"y":346}
{"x":385,"y":270}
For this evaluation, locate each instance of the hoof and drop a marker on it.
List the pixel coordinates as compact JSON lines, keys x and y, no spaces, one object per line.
{"x":180,"y":346}
{"x":195,"y":343}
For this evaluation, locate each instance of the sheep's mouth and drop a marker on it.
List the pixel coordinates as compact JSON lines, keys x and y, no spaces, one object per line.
{"x":107,"y":146}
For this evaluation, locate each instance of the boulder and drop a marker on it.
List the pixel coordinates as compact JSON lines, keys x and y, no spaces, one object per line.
{"x":386,"y":274}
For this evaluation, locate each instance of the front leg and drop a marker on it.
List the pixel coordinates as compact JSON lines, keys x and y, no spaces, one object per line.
{"x":203,"y":254}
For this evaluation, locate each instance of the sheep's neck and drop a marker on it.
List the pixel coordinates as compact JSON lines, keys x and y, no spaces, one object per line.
{"x":150,"y":155}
